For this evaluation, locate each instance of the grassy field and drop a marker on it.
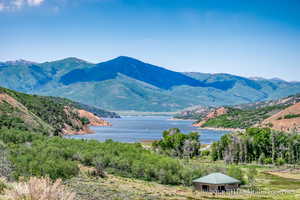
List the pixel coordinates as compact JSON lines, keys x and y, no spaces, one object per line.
{"x":271,"y":187}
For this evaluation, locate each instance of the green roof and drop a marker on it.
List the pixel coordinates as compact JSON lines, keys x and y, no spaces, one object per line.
{"x":216,"y":178}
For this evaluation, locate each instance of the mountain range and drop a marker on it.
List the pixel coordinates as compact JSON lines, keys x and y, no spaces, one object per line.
{"x":126,"y":83}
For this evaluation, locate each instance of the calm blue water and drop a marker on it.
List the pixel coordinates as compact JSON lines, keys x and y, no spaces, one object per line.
{"x":137,"y":128}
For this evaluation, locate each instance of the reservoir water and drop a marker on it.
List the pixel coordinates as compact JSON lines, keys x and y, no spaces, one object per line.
{"x":138,"y":128}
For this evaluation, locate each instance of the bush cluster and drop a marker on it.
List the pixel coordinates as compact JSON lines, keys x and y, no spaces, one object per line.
{"x":36,"y":155}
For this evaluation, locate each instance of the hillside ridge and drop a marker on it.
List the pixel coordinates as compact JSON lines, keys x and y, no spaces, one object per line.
{"x":45,"y":115}
{"x":282,"y":114}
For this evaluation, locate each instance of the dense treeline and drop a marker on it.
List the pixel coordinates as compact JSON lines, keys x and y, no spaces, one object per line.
{"x":261,"y":145}
{"x":177,"y":144}
{"x":56,"y":157}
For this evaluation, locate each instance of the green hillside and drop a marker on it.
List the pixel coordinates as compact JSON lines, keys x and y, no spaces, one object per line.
{"x":48,"y":115}
{"x":241,"y":115}
{"x":237,"y":118}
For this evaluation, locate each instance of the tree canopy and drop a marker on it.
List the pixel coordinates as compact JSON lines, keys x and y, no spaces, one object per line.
{"x":177,"y":144}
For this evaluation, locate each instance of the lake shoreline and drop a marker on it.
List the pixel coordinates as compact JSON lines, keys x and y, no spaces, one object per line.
{"x":136,"y":129}
{"x":221,"y":129}
{"x":177,"y":119}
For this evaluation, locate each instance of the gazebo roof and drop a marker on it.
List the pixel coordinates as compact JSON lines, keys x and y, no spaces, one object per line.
{"x":216,"y":178}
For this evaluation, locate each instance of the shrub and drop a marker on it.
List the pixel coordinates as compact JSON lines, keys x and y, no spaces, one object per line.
{"x":39,"y":189}
{"x":205,"y":153}
{"x":84,"y":120}
{"x":251,"y":174}
{"x":5,"y":164}
{"x":290,"y":116}
{"x":268,"y":161}
{"x":280,"y":161}
{"x":3,"y":185}
{"x":236,"y":173}
{"x":42,"y":160}
{"x":261,"y":159}
{"x":99,"y":164}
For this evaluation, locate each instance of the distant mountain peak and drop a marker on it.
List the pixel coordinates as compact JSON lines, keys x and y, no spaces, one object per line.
{"x":126,"y":59}
{"x":72,"y":59}
{"x":133,"y":68}
{"x":20,"y":62}
{"x":277,"y":79}
{"x":257,"y":78}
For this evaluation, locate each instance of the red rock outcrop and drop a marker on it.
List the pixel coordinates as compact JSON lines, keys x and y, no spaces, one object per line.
{"x":94,"y":120}
{"x":215,"y":113}
{"x":82,"y":128}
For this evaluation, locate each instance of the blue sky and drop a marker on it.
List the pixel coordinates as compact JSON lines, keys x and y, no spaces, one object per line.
{"x":243,"y":37}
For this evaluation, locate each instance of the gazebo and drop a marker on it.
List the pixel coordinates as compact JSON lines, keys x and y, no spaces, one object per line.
{"x":216,"y":182}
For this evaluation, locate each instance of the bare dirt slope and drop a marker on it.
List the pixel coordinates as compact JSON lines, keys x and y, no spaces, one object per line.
{"x":287,"y":120}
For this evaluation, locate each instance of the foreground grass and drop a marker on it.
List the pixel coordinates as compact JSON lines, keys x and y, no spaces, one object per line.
{"x":115,"y":188}
{"x":88,"y":187}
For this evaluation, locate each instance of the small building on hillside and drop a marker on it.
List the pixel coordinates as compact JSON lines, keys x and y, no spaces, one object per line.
{"x":216,"y":182}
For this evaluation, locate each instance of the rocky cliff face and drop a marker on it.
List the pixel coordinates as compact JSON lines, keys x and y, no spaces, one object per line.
{"x":287,"y":120}
{"x":213,"y":114}
{"x":81,"y":125}
{"x":93,"y":120}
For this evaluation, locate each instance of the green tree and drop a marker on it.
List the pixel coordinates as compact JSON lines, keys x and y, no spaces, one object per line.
{"x":175,"y":143}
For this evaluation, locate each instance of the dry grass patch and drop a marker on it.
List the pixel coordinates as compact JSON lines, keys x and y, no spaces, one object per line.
{"x":115,"y":187}
{"x":286,"y":173}
{"x":39,"y":189}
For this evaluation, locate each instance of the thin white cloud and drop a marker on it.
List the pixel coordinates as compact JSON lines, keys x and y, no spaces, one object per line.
{"x":17,"y":3}
{"x":2,"y":7}
{"x":34,"y":2}
{"x":55,"y":5}
{"x":12,"y":5}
